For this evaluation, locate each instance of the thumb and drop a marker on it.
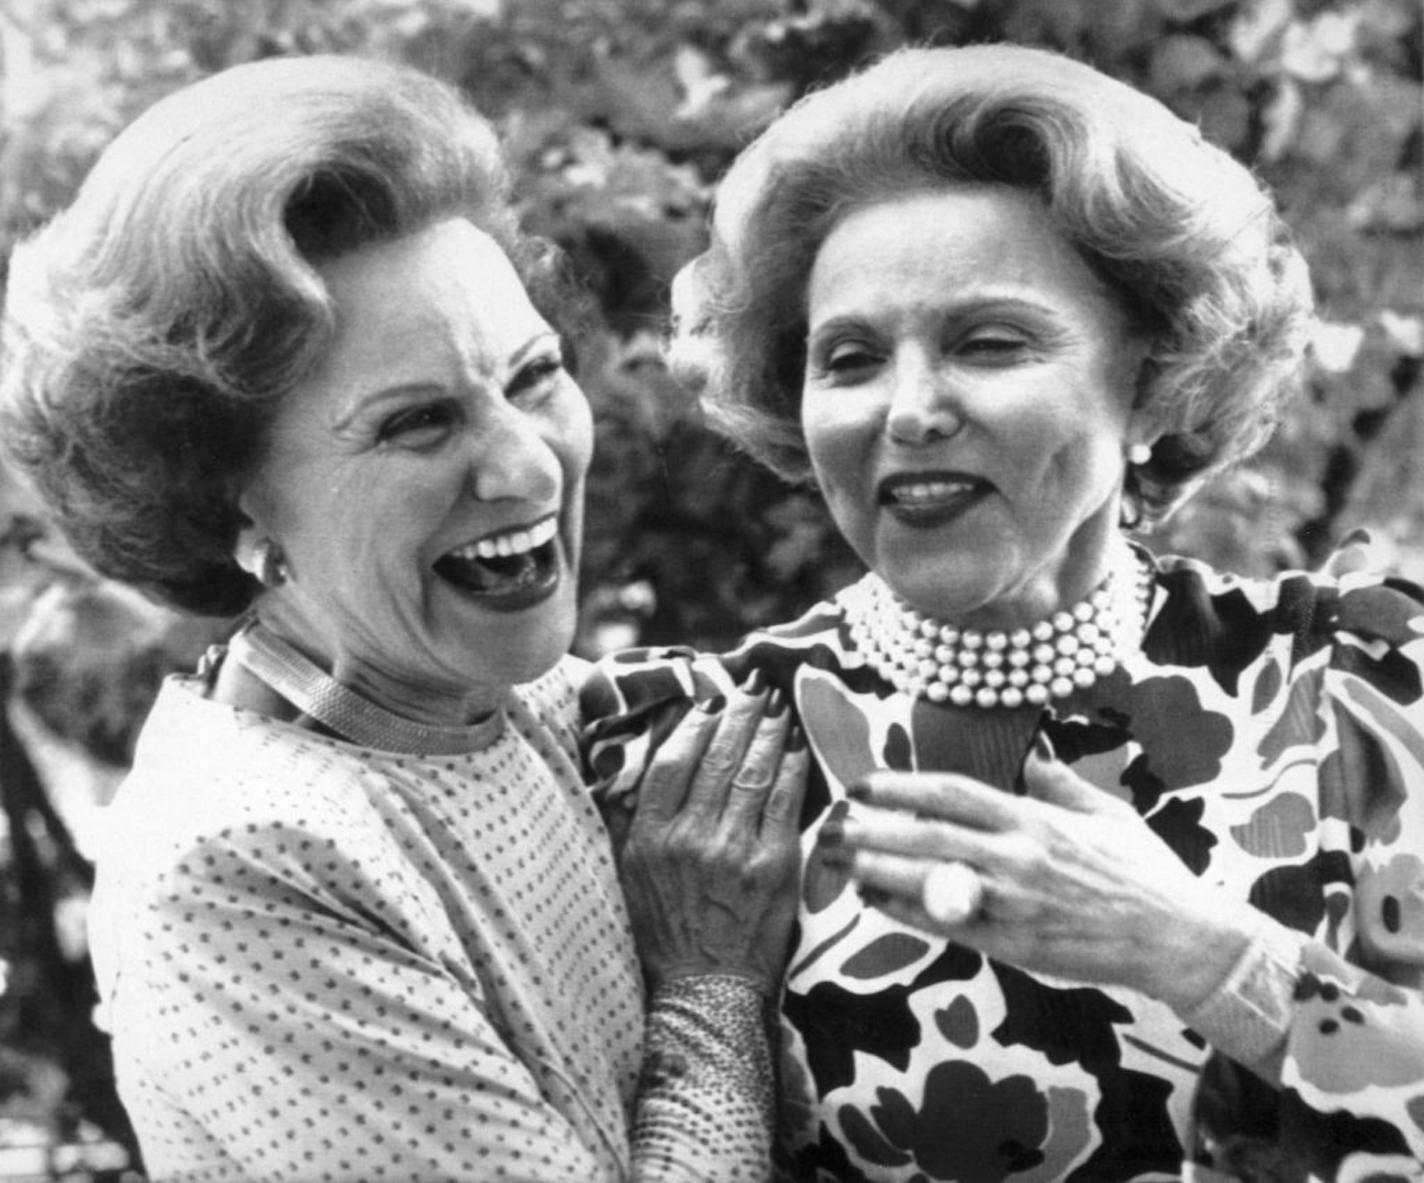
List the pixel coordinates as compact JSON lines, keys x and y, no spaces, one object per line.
{"x":1048,"y":779}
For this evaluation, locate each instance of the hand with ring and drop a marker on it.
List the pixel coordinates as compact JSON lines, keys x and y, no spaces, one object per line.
{"x":951,"y":893}
{"x":1068,"y":881}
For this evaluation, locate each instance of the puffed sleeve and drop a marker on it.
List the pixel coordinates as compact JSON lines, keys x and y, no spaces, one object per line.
{"x":1333,"y":1024}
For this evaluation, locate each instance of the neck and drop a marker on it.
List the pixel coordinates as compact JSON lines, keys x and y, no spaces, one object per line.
{"x":447,"y":703}
{"x":445,"y":707}
{"x":321,"y":702}
{"x":1045,"y":593}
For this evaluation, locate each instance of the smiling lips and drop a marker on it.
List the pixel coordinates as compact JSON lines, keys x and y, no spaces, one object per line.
{"x":507,"y":571}
{"x":928,"y":500}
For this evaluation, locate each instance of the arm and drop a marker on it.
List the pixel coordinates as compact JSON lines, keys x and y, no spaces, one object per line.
{"x":705,"y":833}
{"x":1075,"y":885}
{"x":342,"y":1047}
{"x":709,"y":864}
{"x":286,"y":1010}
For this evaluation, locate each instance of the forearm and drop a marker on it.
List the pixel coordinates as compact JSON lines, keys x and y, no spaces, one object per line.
{"x":1343,"y":1046}
{"x":1248,"y":1014}
{"x":705,"y":1105}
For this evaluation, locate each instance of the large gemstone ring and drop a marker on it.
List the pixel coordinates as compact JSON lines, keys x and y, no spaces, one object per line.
{"x":952,"y":893}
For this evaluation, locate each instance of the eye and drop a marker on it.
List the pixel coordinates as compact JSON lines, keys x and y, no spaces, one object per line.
{"x":419,"y":426}
{"x":993,"y":345}
{"x":847,"y":360}
{"x":537,"y":376}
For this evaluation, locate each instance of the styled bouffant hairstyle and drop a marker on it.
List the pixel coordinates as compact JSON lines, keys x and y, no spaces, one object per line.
{"x":152,"y":328}
{"x":1179,"y":230}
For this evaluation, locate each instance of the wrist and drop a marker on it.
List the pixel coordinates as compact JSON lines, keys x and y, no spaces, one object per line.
{"x":684,"y":973}
{"x":1201,"y":955}
{"x":1248,"y":1015}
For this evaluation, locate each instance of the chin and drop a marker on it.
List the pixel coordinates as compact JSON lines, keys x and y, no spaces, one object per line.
{"x":531,"y":649}
{"x":939,"y":591}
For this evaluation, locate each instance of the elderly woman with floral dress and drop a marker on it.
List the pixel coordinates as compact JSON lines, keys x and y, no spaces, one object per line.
{"x":1113,"y":863}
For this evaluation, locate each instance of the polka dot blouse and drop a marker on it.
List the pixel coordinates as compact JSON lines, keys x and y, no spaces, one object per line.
{"x":323,"y":962}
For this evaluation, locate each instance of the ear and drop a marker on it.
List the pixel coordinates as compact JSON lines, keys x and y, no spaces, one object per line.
{"x":250,"y":534}
{"x":1146,"y":420}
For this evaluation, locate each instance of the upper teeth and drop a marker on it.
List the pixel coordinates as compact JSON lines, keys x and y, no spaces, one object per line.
{"x":930,"y":490}
{"x":516,"y":542}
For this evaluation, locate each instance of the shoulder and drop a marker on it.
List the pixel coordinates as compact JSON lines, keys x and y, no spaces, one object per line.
{"x":214,"y":786}
{"x":555,"y":693}
{"x":552,"y":700}
{"x":634,"y":680}
{"x":1342,"y":607}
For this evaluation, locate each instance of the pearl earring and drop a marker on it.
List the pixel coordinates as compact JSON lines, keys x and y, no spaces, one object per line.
{"x":1139,"y":454}
{"x":271,"y":568}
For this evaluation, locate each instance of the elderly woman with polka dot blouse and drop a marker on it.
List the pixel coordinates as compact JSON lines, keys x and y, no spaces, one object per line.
{"x":1114,"y":863}
{"x":287,"y":357}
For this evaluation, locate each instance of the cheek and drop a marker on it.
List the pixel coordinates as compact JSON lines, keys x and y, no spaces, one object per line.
{"x":1084,"y":467}
{"x":837,"y":441}
{"x":570,"y":436}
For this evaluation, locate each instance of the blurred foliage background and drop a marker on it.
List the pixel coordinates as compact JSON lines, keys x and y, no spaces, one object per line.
{"x":619,"y":116}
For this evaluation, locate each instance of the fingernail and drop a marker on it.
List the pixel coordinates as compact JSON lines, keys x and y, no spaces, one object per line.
{"x":832,"y":833}
{"x":860,"y":791}
{"x":1043,"y":746}
{"x":711,"y":706}
{"x":873,"y":896}
{"x":756,"y":683}
{"x":795,"y":739}
{"x":775,"y":703}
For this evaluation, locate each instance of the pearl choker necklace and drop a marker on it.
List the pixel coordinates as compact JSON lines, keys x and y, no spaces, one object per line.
{"x":921,"y":656}
{"x":340,"y":709}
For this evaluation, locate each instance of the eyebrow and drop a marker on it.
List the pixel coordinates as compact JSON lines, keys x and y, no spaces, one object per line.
{"x":370,"y":399}
{"x":546,"y":336}
{"x":954,"y":305}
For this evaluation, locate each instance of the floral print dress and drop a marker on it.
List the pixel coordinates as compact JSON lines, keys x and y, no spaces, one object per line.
{"x":1272,"y":733}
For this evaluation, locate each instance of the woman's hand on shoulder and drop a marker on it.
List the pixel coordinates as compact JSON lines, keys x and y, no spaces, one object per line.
{"x":710,"y":861}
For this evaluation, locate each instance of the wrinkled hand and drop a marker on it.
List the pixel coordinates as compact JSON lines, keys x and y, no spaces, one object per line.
{"x":711,"y":857}
{"x":1074,"y":883}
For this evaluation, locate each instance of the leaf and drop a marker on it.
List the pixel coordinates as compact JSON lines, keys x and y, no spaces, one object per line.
{"x":1259,"y":26}
{"x":1281,"y":119}
{"x":1316,"y":52}
{"x":885,"y":955}
{"x":1186,"y":11}
{"x":868,"y":1141}
{"x":1184,"y":63}
{"x":959,"y":1022}
{"x":1277,"y":829}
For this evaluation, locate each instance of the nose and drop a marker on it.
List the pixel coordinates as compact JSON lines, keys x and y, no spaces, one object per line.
{"x":923,"y":405}
{"x":513,"y":460}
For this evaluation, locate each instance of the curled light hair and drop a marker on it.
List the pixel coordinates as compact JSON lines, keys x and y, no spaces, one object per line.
{"x":1180,"y":232}
{"x":152,"y":328}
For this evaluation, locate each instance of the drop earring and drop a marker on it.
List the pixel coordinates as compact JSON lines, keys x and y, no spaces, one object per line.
{"x":270,"y":567}
{"x":1139,"y":453}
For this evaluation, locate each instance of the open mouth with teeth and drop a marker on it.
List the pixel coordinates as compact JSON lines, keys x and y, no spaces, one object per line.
{"x":930,"y":500}
{"x":521,"y":566}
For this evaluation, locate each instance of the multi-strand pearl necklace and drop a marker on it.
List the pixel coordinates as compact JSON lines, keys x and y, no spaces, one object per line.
{"x":1070,"y":651}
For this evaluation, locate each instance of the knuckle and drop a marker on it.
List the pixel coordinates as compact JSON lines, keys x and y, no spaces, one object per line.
{"x":753,"y":778}
{"x":1020,"y":850}
{"x":720,"y":758}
